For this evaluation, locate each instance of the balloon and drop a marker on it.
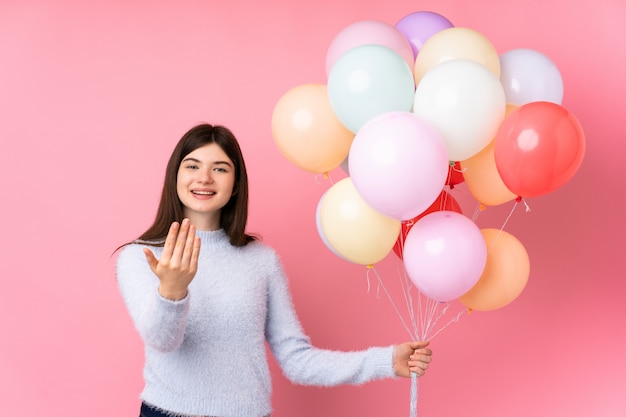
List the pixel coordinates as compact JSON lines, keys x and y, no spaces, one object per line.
{"x":398,"y":164}
{"x":417,"y":27}
{"x":505,"y":275}
{"x":368,"y":32}
{"x":455,"y":175}
{"x":369,"y":80}
{"x":320,"y":230}
{"x":538,"y":148}
{"x":356,"y":231}
{"x":465,"y":102}
{"x":456,"y":43}
{"x":528,"y":75}
{"x":482,"y":177}
{"x":306,"y":130}
{"x":445,"y":201}
{"x":444,"y":255}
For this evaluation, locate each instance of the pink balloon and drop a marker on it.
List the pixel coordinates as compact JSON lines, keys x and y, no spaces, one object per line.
{"x":369,"y":32}
{"x":398,"y":164}
{"x":444,"y":255}
{"x":417,"y":27}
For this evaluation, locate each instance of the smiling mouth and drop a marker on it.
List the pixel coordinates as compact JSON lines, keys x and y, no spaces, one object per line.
{"x":203,"y":192}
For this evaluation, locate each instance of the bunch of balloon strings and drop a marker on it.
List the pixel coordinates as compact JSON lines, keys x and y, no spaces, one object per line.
{"x":426,"y":317}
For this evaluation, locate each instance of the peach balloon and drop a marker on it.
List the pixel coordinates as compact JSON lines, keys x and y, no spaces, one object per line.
{"x":356,"y":231}
{"x":505,"y":275}
{"x":456,"y":43}
{"x":482,"y":177}
{"x":306,"y":130}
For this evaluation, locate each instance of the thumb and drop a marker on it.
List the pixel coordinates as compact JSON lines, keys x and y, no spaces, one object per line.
{"x":152,"y":260}
{"x":419,"y":344}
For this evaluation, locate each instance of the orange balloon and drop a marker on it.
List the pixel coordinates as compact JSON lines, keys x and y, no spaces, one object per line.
{"x":505,"y":275}
{"x":456,"y":43}
{"x":482,"y":177}
{"x":306,"y":130}
{"x":353,"y":229}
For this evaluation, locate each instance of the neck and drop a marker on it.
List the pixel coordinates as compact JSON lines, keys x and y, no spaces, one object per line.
{"x":204,"y":222}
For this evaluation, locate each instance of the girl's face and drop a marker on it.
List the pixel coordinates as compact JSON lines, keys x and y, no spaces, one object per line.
{"x":205,"y":182}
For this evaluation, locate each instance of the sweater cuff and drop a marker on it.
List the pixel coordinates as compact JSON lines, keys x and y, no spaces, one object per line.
{"x":382,"y":357}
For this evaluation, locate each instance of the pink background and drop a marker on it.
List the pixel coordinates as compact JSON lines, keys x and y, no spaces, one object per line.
{"x":93,"y":96}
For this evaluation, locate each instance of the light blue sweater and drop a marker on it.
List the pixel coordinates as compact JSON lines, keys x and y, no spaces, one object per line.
{"x":205,"y":354}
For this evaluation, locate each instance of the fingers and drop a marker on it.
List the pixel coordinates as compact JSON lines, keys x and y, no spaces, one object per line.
{"x":170,"y":242}
{"x":180,"y":251}
{"x":420,"y":358}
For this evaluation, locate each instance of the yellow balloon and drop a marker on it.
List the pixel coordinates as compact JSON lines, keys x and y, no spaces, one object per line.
{"x":482,"y":177}
{"x":456,"y":43}
{"x":306,"y":130}
{"x":505,"y":275}
{"x":356,"y":231}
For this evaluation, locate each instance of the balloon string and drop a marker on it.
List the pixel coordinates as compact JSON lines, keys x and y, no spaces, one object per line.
{"x":324,"y":177}
{"x":408,"y":298}
{"x":453,"y":320}
{"x":382,"y":285}
{"x":477,"y":211}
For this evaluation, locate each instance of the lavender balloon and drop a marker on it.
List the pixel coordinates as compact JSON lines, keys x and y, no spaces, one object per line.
{"x":399,"y":164}
{"x":417,"y":27}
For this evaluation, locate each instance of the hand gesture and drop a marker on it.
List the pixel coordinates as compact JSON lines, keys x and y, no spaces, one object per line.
{"x":411,"y":357}
{"x":179,"y":261}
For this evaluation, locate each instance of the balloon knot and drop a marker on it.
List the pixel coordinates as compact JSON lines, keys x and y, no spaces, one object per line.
{"x":482,"y":207}
{"x":325,"y":175}
{"x":370,"y":266}
{"x":518,"y":199}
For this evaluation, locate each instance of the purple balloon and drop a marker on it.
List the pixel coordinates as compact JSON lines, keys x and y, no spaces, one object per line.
{"x":417,"y":27}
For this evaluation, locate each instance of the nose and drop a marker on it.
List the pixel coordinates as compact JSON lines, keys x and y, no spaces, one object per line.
{"x":205,"y":176}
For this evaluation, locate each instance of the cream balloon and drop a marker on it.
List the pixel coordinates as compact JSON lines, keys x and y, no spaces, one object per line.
{"x":456,"y":43}
{"x":356,"y":231}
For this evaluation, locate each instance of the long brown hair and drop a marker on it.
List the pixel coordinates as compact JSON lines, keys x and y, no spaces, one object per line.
{"x":234,"y":216}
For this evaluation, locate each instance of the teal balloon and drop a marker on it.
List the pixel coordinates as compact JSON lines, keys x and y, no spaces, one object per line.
{"x":369,"y":80}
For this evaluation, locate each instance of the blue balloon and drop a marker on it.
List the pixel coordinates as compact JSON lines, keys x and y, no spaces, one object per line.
{"x":369,"y":80}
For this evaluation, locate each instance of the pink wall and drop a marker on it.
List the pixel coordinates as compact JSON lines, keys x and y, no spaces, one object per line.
{"x":92,"y":99}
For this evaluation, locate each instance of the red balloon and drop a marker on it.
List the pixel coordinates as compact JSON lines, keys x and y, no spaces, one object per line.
{"x":445,"y":201}
{"x":538,"y":148}
{"x":455,"y":176}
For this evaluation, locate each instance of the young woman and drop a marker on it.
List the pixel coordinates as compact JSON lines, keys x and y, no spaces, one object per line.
{"x":205,"y":296}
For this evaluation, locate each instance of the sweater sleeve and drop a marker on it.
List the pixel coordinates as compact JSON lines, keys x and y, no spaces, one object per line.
{"x":160,"y":322}
{"x":305,"y":364}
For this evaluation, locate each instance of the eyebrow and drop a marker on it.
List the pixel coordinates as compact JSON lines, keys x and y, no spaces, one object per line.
{"x":213,"y":163}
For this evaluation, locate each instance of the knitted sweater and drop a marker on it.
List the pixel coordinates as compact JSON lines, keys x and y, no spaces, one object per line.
{"x":205,"y":354}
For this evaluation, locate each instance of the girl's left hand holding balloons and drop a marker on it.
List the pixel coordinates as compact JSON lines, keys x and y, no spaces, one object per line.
{"x":411,"y":357}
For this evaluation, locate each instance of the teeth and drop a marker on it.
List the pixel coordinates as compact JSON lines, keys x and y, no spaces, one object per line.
{"x":204,"y":192}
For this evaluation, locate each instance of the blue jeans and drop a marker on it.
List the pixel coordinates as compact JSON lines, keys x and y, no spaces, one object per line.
{"x":148,"y":411}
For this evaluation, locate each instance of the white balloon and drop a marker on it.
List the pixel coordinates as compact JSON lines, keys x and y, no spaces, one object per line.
{"x":465,"y":101}
{"x":528,"y":75}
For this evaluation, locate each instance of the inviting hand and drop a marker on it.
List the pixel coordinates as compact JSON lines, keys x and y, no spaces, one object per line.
{"x":178,"y":263}
{"x":411,"y":357}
